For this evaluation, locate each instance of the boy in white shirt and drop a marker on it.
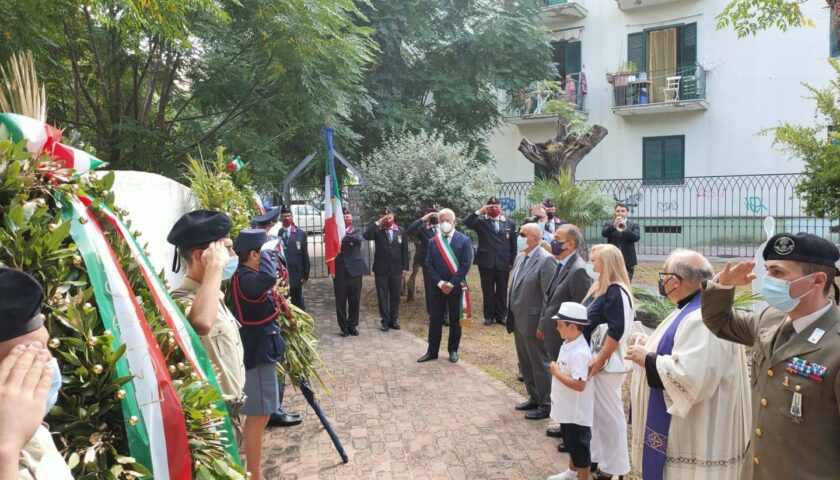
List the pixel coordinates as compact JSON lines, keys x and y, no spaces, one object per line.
{"x":571,"y":402}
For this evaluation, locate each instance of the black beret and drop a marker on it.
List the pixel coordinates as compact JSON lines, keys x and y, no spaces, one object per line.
{"x":285,"y":210}
{"x":548,"y":203}
{"x":345,"y":211}
{"x":387,"y":211}
{"x":432,"y":209}
{"x":493,"y":201}
{"x":801,"y":247}
{"x":199,"y":227}
{"x":21,"y":297}
{"x":267,"y":217}
{"x":249,"y":239}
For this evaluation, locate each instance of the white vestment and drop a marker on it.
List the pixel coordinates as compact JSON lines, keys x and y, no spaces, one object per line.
{"x":707,"y":395}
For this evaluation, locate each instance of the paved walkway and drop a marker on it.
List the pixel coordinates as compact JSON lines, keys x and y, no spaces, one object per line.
{"x":399,"y":419}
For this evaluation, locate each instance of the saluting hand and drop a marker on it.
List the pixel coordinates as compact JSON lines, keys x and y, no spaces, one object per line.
{"x":427,"y":217}
{"x":215,"y":255}
{"x":740,"y":274}
{"x":24,"y":386}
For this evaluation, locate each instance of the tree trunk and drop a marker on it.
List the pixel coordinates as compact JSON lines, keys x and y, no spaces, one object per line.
{"x":564,"y":151}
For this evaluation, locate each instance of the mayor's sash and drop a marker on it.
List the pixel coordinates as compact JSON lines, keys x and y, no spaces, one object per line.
{"x":451,"y":262}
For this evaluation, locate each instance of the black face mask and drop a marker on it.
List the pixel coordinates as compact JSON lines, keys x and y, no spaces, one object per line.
{"x":433,"y":220}
{"x":662,"y":288}
{"x":550,"y":215}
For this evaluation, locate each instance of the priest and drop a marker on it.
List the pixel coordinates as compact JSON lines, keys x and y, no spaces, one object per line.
{"x":690,"y":389}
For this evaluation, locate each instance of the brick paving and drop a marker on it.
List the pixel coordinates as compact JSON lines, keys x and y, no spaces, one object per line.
{"x":398,"y":419}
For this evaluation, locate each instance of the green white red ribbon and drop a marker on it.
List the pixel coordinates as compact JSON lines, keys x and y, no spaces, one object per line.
{"x":155,"y":425}
{"x":452,"y":264}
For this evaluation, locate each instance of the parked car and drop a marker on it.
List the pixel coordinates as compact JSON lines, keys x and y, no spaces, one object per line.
{"x":308,"y":218}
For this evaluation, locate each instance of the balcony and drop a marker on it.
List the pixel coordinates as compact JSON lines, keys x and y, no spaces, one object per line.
{"x":542,"y":101}
{"x":634,"y":4}
{"x":679,"y":89}
{"x":558,"y":11}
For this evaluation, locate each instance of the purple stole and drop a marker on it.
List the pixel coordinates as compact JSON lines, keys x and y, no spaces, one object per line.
{"x":658,"y":419}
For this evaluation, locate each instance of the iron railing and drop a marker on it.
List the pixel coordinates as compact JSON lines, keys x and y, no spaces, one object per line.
{"x":532,"y":101}
{"x":682,"y":83}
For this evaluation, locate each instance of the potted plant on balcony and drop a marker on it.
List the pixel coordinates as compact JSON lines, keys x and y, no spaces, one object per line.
{"x":619,"y":77}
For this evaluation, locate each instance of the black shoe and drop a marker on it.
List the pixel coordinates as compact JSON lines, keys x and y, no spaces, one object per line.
{"x":554,"y":433}
{"x":354,"y":331}
{"x":561,"y":447}
{"x":520,"y":377}
{"x":500,"y":322}
{"x":384,"y":328}
{"x":488,"y":321}
{"x":453,"y":357}
{"x":537,"y":414}
{"x":529,"y":405}
{"x":426,"y":358}
{"x":284,"y":420}
{"x":344,"y":333}
{"x":395,"y":326}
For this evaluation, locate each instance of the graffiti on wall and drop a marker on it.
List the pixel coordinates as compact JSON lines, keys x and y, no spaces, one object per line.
{"x":671,"y":206}
{"x":507,"y":204}
{"x":755,"y":205}
{"x":711,"y":192}
{"x":631,"y":200}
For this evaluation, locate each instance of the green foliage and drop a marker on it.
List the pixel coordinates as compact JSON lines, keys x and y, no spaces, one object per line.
{"x":214,"y":188}
{"x":819,"y":150}
{"x":88,"y":418}
{"x":578,"y":203}
{"x":747,"y":17}
{"x":442,"y":63}
{"x":412,"y":172}
{"x":652,"y":308}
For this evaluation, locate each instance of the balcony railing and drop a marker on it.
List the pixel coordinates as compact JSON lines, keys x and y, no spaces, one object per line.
{"x":563,"y":10}
{"x":656,"y":91}
{"x":633,"y":4}
{"x":539,"y":100}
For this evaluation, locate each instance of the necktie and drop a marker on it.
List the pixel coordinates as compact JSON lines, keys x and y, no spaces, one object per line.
{"x":784,"y":335}
{"x":556,"y":273}
{"x":286,"y":234}
{"x":496,"y":225}
{"x":520,"y":269}
{"x":390,"y":236}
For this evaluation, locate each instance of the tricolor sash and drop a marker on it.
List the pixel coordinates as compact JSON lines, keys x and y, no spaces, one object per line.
{"x":658,"y":420}
{"x":451,"y":261}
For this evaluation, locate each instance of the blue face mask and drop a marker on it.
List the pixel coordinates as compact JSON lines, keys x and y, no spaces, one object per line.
{"x":55,"y":385}
{"x":557,"y":247}
{"x":776,"y":293}
{"x":521,"y":243}
{"x":230,"y":268}
{"x":590,"y":270}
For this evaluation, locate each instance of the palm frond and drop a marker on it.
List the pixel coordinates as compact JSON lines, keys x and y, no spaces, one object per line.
{"x":580,"y":204}
{"x":20,"y":91}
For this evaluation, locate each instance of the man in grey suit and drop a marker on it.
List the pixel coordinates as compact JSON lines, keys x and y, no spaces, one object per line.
{"x":569,"y":283}
{"x":532,"y":272}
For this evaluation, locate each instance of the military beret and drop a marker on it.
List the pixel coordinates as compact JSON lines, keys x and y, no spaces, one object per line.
{"x":387,"y":211}
{"x":548,"y":203}
{"x":21,"y":297}
{"x":493,"y":201}
{"x":267,"y":217}
{"x":285,"y":210}
{"x":345,"y":211}
{"x":198,"y":228}
{"x":249,"y":239}
{"x":801,"y":247}
{"x":432,"y":209}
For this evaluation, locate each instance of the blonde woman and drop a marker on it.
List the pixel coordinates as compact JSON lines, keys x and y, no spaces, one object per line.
{"x":609,"y":307}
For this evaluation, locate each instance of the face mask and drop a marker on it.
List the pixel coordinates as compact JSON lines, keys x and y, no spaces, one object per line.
{"x":494,"y":212}
{"x":542,"y":225}
{"x":55,"y":385}
{"x":590,"y":270}
{"x":557,"y":247}
{"x":446,"y":228}
{"x":776,"y":293}
{"x":230,"y":268}
{"x":348,"y":222}
{"x":662,"y":290}
{"x":387,"y":223}
{"x":521,"y":243}
{"x":287,"y":222}
{"x":550,"y":215}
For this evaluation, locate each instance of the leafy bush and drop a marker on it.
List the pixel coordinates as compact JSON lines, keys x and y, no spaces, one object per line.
{"x":411,"y":172}
{"x":577,"y":203}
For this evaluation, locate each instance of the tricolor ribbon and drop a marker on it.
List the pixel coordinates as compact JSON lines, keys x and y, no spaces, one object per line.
{"x":155,"y":424}
{"x":452,"y":263}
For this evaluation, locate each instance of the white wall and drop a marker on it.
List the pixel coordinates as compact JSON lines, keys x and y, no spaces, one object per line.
{"x":752,"y":83}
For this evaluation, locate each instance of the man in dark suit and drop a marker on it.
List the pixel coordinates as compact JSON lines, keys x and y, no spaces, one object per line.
{"x":494,"y":257}
{"x":297,"y":256}
{"x":425,"y":229}
{"x":347,"y":283}
{"x":552,"y":221}
{"x":623,"y":233}
{"x":448,"y":260}
{"x":569,"y":284}
{"x":390,"y":265}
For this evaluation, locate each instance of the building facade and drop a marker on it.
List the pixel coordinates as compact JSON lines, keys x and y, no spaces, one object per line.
{"x":684,"y":99}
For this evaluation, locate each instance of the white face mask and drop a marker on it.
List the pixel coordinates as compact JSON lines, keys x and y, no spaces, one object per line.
{"x":590,"y":270}
{"x":446,"y":227}
{"x":55,"y":385}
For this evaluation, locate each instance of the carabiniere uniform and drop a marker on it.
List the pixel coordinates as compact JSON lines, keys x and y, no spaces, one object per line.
{"x":795,"y":383}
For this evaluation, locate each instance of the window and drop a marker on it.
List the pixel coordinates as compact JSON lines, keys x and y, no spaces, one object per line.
{"x":567,"y":59}
{"x":663,"y":52}
{"x":834,"y":32}
{"x":663,"y":160}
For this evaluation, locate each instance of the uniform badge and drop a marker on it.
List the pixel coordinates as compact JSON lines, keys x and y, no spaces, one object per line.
{"x":784,"y":246}
{"x":399,"y":239}
{"x":796,"y":405}
{"x":298,"y":245}
{"x":804,"y":368}
{"x":816,"y":336}
{"x":786,"y":381}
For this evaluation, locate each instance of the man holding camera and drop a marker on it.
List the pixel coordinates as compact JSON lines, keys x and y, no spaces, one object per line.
{"x":623,"y":233}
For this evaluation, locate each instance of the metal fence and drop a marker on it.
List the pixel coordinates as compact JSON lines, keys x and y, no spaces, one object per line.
{"x":719,"y":216}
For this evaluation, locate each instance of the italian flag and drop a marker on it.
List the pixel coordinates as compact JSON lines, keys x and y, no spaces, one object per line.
{"x":40,"y":137}
{"x":236,"y":165}
{"x":334,"y":228}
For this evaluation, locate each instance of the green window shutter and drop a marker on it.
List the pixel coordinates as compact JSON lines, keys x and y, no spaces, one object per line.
{"x":651,"y":161}
{"x":834,"y":34}
{"x":637,"y":50}
{"x":687,"y":53}
{"x":673,"y":152}
{"x":573,"y":58}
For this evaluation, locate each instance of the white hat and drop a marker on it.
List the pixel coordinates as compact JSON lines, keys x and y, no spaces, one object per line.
{"x":572,"y":312}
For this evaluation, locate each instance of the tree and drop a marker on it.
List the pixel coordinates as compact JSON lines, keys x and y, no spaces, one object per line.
{"x":442,"y":64}
{"x":820,"y":151}
{"x":748,"y":17}
{"x":573,"y":140}
{"x":581,"y":204}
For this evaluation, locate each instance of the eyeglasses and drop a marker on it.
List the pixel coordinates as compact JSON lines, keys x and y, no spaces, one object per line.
{"x":662,"y":275}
